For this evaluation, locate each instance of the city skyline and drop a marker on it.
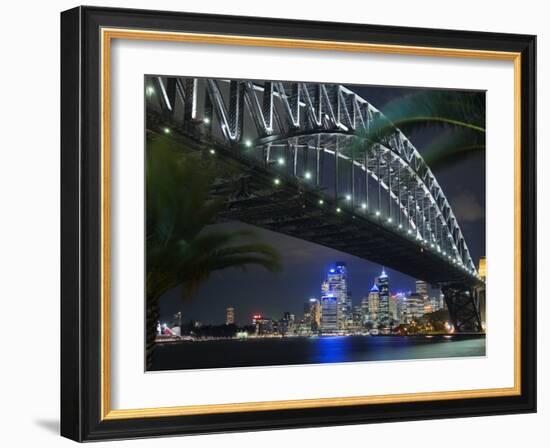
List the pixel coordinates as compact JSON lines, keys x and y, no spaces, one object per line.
{"x":331,"y":286}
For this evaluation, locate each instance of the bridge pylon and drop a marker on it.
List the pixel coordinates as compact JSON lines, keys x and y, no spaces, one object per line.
{"x":464,"y":305}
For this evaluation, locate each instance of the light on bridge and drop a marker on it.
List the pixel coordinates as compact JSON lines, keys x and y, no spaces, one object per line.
{"x":167,"y":130}
{"x":348,"y":197}
{"x":206,"y":120}
{"x":276,"y":181}
{"x":338,"y":210}
{"x":321,"y":202}
{"x":389,"y":219}
{"x":364,"y":206}
{"x":247,"y":143}
{"x":281,"y":161}
{"x":377,"y":212}
{"x":150,"y":90}
{"x":307,"y":175}
{"x":212,"y":151}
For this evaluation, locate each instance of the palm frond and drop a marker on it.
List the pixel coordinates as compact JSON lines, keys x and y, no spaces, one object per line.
{"x":452,"y":147}
{"x":180,"y":249}
{"x":461,"y":116}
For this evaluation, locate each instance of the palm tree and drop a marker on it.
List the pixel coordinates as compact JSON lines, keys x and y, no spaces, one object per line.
{"x":461,"y":115}
{"x":180,"y":250}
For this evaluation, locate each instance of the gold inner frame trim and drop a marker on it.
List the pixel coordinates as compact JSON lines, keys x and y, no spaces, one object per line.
{"x":107,"y":35}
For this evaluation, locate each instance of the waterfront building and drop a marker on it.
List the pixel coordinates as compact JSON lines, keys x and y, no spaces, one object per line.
{"x":384,"y":300}
{"x":312,"y":313}
{"x":415,"y":306}
{"x":303,"y":328}
{"x":263,"y":325}
{"x":286,"y":324}
{"x":357,"y":319}
{"x":422,"y":288}
{"x":428,"y":308}
{"x":329,"y":314}
{"x":436,"y":302}
{"x":230,"y":316}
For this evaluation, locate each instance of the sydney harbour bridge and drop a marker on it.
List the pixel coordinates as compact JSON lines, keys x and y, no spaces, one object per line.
{"x":305,"y":172}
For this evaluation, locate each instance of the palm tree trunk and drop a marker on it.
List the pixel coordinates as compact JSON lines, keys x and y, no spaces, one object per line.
{"x":152,"y":316}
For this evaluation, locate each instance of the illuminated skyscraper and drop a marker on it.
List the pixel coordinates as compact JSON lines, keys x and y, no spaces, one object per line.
{"x":422,"y":288}
{"x":373,"y":301}
{"x":312,"y":313}
{"x":337,"y":278}
{"x":230,"y":316}
{"x":329,"y":314}
{"x":384,"y":293}
{"x":415,"y":306}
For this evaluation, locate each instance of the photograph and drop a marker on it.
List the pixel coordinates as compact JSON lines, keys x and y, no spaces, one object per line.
{"x":273,"y":222}
{"x":297,"y":223}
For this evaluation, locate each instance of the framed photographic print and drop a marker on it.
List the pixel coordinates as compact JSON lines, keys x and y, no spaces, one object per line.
{"x":273,"y":223}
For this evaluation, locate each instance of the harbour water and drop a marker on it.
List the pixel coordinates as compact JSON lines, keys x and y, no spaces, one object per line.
{"x":312,"y":350}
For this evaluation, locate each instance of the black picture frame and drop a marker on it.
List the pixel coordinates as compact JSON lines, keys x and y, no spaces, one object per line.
{"x":81,"y":224}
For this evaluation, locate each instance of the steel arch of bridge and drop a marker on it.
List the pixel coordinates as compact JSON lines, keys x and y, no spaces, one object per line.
{"x":296,"y":122}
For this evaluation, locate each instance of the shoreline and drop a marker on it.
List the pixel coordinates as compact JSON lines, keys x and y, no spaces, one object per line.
{"x":271,"y":338}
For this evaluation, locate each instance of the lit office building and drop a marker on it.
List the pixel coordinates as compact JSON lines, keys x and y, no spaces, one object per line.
{"x":312,"y":313}
{"x":263,"y":325}
{"x":415,"y":306}
{"x":348,"y":311}
{"x":286,"y":324}
{"x":329,"y":314}
{"x":436,"y":302}
{"x":422,"y":288}
{"x":303,"y":329}
{"x":428,"y":307}
{"x":384,"y":299}
{"x":357,"y":319}
{"x":482,"y":269}
{"x":337,"y":286}
{"x":373,"y":306}
{"x":365,"y":310}
{"x":393,"y":308}
{"x":401,"y":308}
{"x":230,"y":316}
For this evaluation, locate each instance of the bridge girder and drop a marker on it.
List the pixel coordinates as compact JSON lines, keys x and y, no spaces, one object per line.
{"x":311,"y":128}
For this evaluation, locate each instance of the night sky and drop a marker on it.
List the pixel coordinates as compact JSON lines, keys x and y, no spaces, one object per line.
{"x":305,"y":264}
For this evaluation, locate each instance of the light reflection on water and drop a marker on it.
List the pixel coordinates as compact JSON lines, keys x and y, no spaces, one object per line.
{"x":358,"y":348}
{"x":325,"y":349}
